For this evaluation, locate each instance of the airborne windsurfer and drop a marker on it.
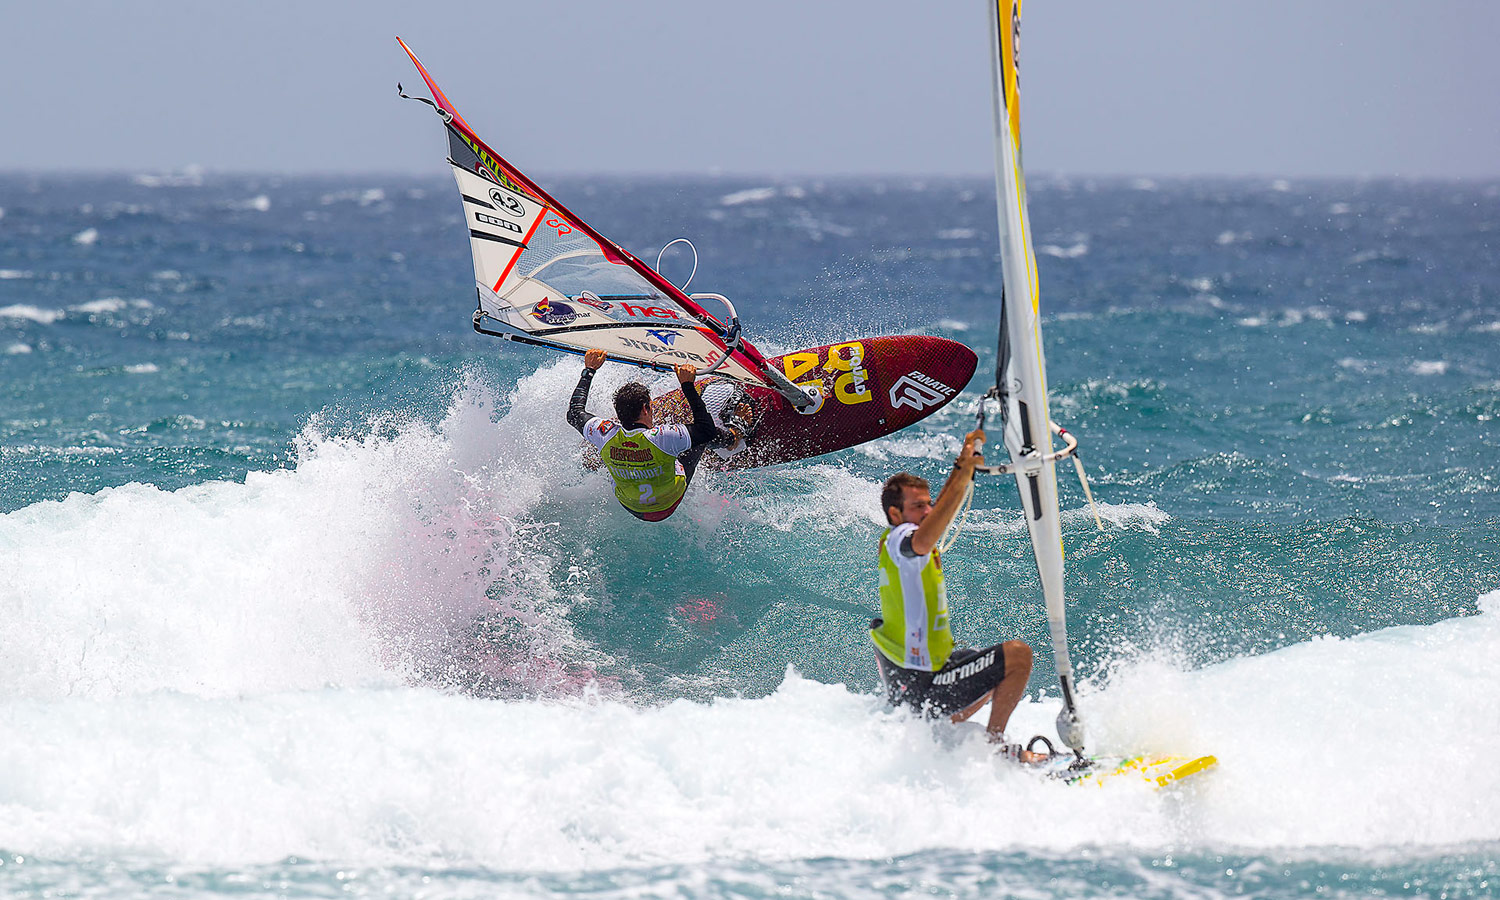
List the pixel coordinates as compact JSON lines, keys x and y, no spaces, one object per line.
{"x":651,"y":464}
{"x":914,"y":646}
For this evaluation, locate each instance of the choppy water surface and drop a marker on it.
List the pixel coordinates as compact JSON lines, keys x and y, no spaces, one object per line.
{"x":304,"y":592}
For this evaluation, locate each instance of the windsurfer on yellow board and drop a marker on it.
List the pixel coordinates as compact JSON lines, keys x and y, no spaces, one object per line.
{"x":918,"y":663}
{"x":651,"y":464}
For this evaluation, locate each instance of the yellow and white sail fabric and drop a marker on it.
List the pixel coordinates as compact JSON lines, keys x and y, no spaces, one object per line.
{"x":1021,"y":379}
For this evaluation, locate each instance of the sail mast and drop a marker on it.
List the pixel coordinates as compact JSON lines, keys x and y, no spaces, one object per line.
{"x":1021,"y":373}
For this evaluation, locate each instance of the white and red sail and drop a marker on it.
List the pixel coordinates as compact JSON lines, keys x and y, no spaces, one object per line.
{"x":544,"y":276}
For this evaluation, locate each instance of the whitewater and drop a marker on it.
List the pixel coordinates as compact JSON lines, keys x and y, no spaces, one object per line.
{"x":237,"y":673}
{"x":304,"y":590}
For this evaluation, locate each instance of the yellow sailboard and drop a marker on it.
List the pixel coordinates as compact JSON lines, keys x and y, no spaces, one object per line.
{"x":1158,"y":771}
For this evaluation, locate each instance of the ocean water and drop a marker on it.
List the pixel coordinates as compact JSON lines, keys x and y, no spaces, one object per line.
{"x":304,"y":592}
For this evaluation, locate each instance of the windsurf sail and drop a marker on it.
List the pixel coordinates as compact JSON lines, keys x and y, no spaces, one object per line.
{"x":545,"y":277}
{"x":1021,"y":373}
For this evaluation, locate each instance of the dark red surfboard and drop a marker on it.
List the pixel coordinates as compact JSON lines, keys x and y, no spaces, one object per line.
{"x":870,"y":388}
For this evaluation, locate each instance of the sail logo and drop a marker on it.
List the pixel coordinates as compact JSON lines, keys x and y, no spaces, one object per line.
{"x":666,"y":337}
{"x":553,"y":312}
{"x":485,"y":165}
{"x":650,"y":312}
{"x":508,"y":203}
{"x":919,"y":392}
{"x":659,"y":350}
{"x":498,"y":223}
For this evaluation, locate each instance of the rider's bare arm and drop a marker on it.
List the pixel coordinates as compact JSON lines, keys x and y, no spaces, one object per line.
{"x":952,"y":496}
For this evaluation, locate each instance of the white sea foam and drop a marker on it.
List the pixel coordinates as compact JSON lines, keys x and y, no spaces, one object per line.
{"x":1429,"y":367}
{"x":349,"y":569}
{"x":365,"y":197}
{"x":913,"y":445}
{"x":17,"y":349}
{"x":1327,"y":743}
{"x":189,"y":176}
{"x":1122,"y":516}
{"x":33,"y":313}
{"x":231,"y":674}
{"x":819,"y":496}
{"x":12,"y":274}
{"x":87,"y":237}
{"x":957,"y":234}
{"x":1377,"y":740}
{"x":104,"y":305}
{"x":1290,"y":317}
{"x":749,"y":195}
{"x":1126,"y":516}
{"x":23,"y":450}
{"x":1072,"y":251}
{"x":142,"y":369}
{"x":108,"y":306}
{"x":258,"y":203}
{"x":817,"y":228}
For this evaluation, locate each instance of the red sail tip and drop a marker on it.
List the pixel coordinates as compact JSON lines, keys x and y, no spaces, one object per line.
{"x":438,"y":96}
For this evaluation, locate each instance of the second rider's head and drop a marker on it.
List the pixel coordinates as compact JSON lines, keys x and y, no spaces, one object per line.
{"x":906,"y":498}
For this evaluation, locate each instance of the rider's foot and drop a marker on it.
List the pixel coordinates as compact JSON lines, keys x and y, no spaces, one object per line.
{"x":1015,"y":752}
{"x":735,"y":425}
{"x":736,"y":417}
{"x":730,"y":438}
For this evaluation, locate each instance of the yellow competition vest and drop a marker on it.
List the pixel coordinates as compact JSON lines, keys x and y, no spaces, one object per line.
{"x":897,"y":637}
{"x":646,"y":478}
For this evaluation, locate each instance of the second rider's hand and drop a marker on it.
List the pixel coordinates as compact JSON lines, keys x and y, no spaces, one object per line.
{"x":973,"y":452}
{"x":686,"y":374}
{"x":593,"y":359}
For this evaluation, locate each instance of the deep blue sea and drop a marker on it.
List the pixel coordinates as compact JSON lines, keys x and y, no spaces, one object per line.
{"x":304,"y":591}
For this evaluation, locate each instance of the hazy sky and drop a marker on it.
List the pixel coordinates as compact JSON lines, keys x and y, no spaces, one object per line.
{"x":827,"y":87}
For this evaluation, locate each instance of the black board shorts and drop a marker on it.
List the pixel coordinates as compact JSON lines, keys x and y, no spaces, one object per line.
{"x":965,"y":678}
